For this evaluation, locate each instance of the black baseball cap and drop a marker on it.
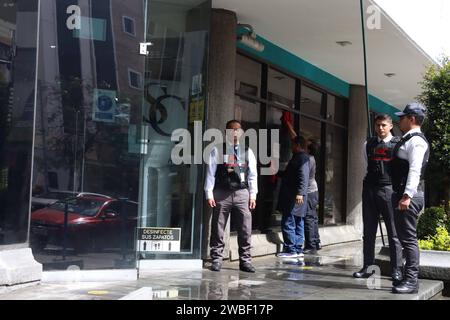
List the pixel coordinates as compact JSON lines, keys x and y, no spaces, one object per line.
{"x":413,"y":108}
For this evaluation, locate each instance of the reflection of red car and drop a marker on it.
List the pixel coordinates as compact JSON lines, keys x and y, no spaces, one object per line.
{"x":93,"y":221}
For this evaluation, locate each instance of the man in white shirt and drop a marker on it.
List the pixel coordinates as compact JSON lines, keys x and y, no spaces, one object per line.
{"x":376,"y":198}
{"x":410,"y":159}
{"x":231,"y":183}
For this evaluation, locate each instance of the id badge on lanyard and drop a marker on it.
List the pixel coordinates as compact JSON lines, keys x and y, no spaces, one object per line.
{"x":240,"y":166}
{"x":242,"y":175}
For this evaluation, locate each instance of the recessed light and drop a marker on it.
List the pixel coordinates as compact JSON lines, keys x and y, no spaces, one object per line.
{"x":390,"y":74}
{"x":344,"y":43}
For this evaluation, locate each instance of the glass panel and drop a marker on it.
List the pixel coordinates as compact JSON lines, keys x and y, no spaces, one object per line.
{"x":270,"y":187}
{"x":18,"y":25}
{"x":85,"y":140}
{"x":248,"y":76}
{"x":281,"y":88}
{"x":247,"y":111}
{"x":335,"y":172}
{"x":337,"y":110}
{"x":311,"y":101}
{"x":311,"y":130}
{"x":174,"y":97}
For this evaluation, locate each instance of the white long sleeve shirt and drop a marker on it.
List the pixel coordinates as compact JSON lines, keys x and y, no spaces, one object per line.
{"x":414,"y":151}
{"x":211,"y":174}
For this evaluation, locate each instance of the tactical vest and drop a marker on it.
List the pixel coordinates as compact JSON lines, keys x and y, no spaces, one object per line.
{"x":400,"y":167}
{"x":379,"y":158}
{"x":232,"y":174}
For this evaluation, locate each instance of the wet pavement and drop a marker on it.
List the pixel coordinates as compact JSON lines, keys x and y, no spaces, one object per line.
{"x":325,"y":276}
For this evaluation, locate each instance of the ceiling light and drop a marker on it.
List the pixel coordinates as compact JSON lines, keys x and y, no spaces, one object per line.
{"x":344,"y":43}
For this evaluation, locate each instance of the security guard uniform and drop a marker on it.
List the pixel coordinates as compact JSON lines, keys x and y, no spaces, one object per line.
{"x":405,"y":153}
{"x":232,"y":181}
{"x":377,"y":194}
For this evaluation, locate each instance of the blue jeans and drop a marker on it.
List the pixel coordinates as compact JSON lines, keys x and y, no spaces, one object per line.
{"x":293,"y":233}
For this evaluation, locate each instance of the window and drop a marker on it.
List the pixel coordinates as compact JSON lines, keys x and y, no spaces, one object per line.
{"x":311,"y":102}
{"x":128,"y":25}
{"x":134,"y":79}
{"x":248,"y":76}
{"x":335,"y":173}
{"x":337,"y":110}
{"x":281,"y":88}
{"x":263,"y":93}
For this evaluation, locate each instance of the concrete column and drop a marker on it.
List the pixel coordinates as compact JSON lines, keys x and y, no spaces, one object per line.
{"x":221,"y":80}
{"x":357,"y":134}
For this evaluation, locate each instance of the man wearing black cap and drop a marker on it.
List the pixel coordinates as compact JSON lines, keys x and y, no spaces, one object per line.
{"x":376,"y":197}
{"x":410,"y":157}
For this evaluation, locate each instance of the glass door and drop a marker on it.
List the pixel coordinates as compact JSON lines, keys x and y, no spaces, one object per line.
{"x":18,"y":37}
{"x":171,"y":197}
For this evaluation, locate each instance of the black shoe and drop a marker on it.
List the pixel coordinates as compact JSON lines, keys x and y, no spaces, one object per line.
{"x":247,"y":267}
{"x":407,"y":286}
{"x":318,"y":246}
{"x":216,"y":266}
{"x":310,"y":251}
{"x":397,"y":277}
{"x":362,"y":273}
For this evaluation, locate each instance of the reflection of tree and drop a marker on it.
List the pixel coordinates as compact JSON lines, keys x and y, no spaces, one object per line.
{"x":67,"y":132}
{"x":5,"y":126}
{"x":60,"y":109}
{"x":4,"y":110}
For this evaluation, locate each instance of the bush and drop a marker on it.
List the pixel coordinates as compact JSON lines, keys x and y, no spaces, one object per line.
{"x":426,"y":244}
{"x":430,"y":221}
{"x":440,"y":241}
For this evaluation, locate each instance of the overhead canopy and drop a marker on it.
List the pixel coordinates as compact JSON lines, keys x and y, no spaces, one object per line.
{"x":310,"y":30}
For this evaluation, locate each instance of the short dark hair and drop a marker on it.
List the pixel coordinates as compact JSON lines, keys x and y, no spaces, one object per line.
{"x":300,"y":140}
{"x":313,"y":148}
{"x":419,"y":119}
{"x":232,"y":121}
{"x":383,"y":117}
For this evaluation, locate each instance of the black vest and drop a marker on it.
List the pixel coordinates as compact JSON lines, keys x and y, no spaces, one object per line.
{"x":379,"y":156}
{"x":400,"y":167}
{"x":228,"y":173}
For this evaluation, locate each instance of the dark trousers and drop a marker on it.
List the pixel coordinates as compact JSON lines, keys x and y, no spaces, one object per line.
{"x":406,"y":226}
{"x":378,"y":200}
{"x":225,"y":202}
{"x":312,"y":239}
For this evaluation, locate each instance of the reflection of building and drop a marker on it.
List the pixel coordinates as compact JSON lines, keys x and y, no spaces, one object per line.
{"x":77,"y":124}
{"x":192,"y":72}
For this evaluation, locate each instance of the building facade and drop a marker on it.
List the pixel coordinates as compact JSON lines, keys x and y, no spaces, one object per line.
{"x":92,"y":90}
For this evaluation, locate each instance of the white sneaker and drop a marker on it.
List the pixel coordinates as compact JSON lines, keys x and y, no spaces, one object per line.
{"x":287,"y":255}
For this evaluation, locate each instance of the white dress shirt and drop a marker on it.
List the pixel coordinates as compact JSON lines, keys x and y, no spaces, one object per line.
{"x":211,"y":174}
{"x":386,"y":140}
{"x":414,"y":151}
